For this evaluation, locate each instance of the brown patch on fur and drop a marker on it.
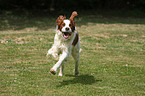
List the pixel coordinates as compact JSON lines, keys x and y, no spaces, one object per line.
{"x":72,"y":20}
{"x":75,"y":40}
{"x":61,"y":25}
{"x":59,"y":21}
{"x":72,"y":25}
{"x":73,"y":15}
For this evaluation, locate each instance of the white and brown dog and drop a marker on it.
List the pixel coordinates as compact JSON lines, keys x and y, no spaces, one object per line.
{"x":66,"y":43}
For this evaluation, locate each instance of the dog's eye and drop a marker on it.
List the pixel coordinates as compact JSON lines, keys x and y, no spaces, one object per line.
{"x":70,"y":24}
{"x":63,"y":24}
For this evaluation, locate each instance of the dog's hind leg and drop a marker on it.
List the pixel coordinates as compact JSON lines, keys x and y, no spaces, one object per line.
{"x":76,"y":58}
{"x":61,"y":70}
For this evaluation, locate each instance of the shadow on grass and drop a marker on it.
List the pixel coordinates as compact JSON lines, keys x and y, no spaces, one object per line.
{"x":82,"y":79}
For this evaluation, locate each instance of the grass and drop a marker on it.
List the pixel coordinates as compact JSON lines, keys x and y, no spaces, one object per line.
{"x":112,"y":60}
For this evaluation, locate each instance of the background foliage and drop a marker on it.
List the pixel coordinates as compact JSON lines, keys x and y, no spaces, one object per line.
{"x":73,"y":4}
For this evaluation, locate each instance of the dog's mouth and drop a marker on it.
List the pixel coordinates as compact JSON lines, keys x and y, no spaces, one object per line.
{"x":66,"y":34}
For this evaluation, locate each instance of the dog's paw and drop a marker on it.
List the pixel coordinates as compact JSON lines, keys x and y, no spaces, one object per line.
{"x":52,"y":71}
{"x":76,"y":73}
{"x":60,"y":75}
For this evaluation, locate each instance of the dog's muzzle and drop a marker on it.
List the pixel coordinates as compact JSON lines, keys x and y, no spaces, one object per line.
{"x":66,"y":35}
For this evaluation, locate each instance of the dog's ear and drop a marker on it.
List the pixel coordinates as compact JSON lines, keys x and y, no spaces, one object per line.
{"x":72,"y":20}
{"x":73,"y":15}
{"x":60,"y":19}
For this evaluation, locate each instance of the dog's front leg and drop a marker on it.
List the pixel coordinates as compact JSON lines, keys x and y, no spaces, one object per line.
{"x":62,"y":58}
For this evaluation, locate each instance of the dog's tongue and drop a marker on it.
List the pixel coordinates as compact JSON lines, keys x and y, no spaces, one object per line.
{"x":66,"y":35}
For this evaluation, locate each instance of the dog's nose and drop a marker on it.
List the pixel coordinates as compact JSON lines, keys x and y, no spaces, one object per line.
{"x":67,"y":29}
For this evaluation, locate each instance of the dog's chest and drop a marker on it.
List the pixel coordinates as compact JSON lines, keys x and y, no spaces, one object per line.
{"x":62,"y":45}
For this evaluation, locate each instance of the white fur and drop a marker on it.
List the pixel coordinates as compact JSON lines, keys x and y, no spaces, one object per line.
{"x":62,"y":49}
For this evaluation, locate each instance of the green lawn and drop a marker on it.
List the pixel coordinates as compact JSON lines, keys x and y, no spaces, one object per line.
{"x":112,"y":61}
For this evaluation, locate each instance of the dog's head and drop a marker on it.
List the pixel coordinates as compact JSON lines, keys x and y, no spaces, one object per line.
{"x":66,"y":26}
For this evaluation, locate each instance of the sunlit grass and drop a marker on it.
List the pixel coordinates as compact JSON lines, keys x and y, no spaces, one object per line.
{"x":111,"y":63}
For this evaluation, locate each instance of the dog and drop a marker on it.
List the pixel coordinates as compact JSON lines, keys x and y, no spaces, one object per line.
{"x":66,"y":43}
